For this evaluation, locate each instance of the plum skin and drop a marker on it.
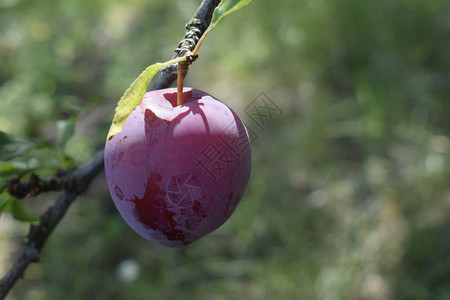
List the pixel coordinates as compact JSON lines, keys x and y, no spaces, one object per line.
{"x":176,"y":173}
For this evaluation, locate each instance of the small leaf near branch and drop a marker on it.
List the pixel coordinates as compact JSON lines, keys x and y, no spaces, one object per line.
{"x":16,"y":208}
{"x":20,"y":213}
{"x":12,"y":146}
{"x":66,"y":129}
{"x":16,"y":169}
{"x":133,"y":95}
{"x":5,"y":201}
{"x":11,"y":169}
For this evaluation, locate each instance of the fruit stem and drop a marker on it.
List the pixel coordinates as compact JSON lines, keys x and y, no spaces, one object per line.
{"x":181,"y":70}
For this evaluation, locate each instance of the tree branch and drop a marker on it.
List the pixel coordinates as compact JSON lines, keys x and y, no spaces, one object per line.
{"x":77,"y":182}
{"x":36,"y":185}
{"x":194,"y":30}
{"x":39,"y":234}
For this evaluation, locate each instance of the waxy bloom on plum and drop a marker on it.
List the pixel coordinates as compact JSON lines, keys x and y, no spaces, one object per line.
{"x":177,"y":173}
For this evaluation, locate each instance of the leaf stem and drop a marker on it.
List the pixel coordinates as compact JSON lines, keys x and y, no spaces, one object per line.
{"x":201,"y":40}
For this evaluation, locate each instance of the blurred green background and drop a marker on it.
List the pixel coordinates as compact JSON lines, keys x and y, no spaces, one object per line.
{"x":349,"y":196}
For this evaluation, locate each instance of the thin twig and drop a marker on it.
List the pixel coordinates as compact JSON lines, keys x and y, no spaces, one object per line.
{"x":81,"y":179}
{"x":39,"y":234}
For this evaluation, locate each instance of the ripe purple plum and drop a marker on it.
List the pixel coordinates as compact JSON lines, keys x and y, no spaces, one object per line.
{"x":176,"y":173}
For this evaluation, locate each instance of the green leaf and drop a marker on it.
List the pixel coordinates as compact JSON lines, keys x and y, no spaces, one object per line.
{"x":66,"y":129}
{"x":12,"y":146}
{"x":5,"y":201}
{"x":9,"y":169}
{"x":16,"y":168}
{"x":3,"y":184}
{"x":225,"y":8}
{"x":6,"y":172}
{"x":20,"y":213}
{"x":133,"y":95}
{"x":16,"y":207}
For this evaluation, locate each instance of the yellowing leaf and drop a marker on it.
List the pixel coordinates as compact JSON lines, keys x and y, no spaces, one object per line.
{"x":133,"y":95}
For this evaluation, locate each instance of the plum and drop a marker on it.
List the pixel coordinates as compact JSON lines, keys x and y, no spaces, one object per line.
{"x":176,"y":173}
